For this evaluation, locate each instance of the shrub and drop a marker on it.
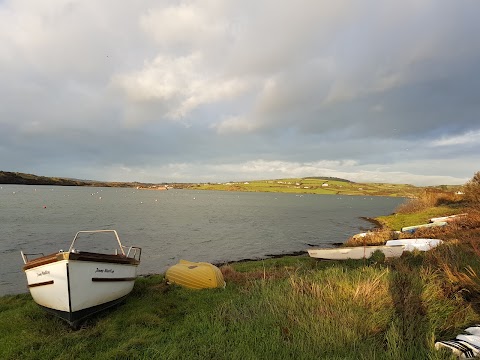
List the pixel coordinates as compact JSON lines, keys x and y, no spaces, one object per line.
{"x":428,"y":198}
{"x":472,"y":191}
{"x":411,"y":206}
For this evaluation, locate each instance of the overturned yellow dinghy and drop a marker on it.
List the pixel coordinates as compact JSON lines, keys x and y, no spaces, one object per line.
{"x":195,"y":275}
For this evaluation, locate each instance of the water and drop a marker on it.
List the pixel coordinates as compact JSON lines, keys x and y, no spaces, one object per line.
{"x":209,"y":226}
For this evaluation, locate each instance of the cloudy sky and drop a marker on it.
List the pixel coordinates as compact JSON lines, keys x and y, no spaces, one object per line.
{"x":219,"y":90}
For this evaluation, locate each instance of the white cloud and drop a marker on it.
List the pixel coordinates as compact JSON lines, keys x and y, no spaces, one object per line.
{"x":235,"y":124}
{"x":470,"y":137}
{"x":162,"y":79}
{"x":185,"y":24}
{"x":181,"y":83}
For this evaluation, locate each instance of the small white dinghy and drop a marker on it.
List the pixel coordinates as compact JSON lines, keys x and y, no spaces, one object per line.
{"x":76,"y":284}
{"x":356,"y":252}
{"x":413,"y":228}
{"x":447,"y":218}
{"x":416,"y":244}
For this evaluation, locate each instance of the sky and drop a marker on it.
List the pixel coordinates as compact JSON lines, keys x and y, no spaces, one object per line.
{"x":218,"y":90}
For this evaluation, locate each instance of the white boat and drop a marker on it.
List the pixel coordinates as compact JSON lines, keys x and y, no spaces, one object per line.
{"x":416,"y":244}
{"x":75,"y":284}
{"x":356,"y":252}
{"x":447,"y":218}
{"x":413,"y":228}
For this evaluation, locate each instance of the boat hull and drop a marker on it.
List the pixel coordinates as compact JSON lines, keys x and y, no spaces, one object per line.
{"x":357,"y":252}
{"x":447,"y":218}
{"x":416,"y":244}
{"x":77,"y":317}
{"x":413,"y":228}
{"x":75,"y":289}
{"x":195,"y":275}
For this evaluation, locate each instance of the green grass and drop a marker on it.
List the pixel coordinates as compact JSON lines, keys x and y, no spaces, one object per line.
{"x":286,"y":308}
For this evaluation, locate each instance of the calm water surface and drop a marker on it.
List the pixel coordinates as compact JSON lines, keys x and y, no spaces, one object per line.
{"x":210,"y":226}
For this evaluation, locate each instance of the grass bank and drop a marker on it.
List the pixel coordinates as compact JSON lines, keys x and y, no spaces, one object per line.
{"x":284,"y":308}
{"x":292,"y":307}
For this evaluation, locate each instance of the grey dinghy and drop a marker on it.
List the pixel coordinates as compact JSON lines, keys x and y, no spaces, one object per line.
{"x":76,"y":284}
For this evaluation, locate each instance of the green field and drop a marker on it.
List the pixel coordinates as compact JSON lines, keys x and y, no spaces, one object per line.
{"x":322,"y":186}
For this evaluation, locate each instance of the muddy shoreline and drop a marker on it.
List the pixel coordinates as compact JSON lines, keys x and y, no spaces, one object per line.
{"x":378,"y":224}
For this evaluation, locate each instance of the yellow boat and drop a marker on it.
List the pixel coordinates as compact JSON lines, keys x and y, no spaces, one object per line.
{"x":195,"y":275}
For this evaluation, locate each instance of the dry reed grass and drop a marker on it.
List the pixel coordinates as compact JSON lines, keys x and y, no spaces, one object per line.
{"x":468,"y":222}
{"x":429,"y":198}
{"x":438,"y":232}
{"x":453,"y":260}
{"x":466,"y":279}
{"x":374,"y":237}
{"x":465,"y":228}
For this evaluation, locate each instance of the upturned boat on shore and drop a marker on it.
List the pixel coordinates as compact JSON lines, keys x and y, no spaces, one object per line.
{"x":195,"y":275}
{"x":75,"y":284}
{"x":416,"y":244}
{"x":448,"y":218}
{"x":413,"y":228}
{"x":356,"y":252}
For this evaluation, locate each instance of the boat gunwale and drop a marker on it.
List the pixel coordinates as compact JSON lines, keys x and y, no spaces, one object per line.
{"x":43,"y":260}
{"x":80,"y":256}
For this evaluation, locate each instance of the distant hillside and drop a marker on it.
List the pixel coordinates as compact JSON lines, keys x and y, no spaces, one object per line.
{"x":30,"y":179}
{"x":325,"y":186}
{"x":326,"y":178}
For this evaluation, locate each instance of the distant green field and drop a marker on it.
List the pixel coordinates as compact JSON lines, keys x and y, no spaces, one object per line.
{"x":321,"y":186}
